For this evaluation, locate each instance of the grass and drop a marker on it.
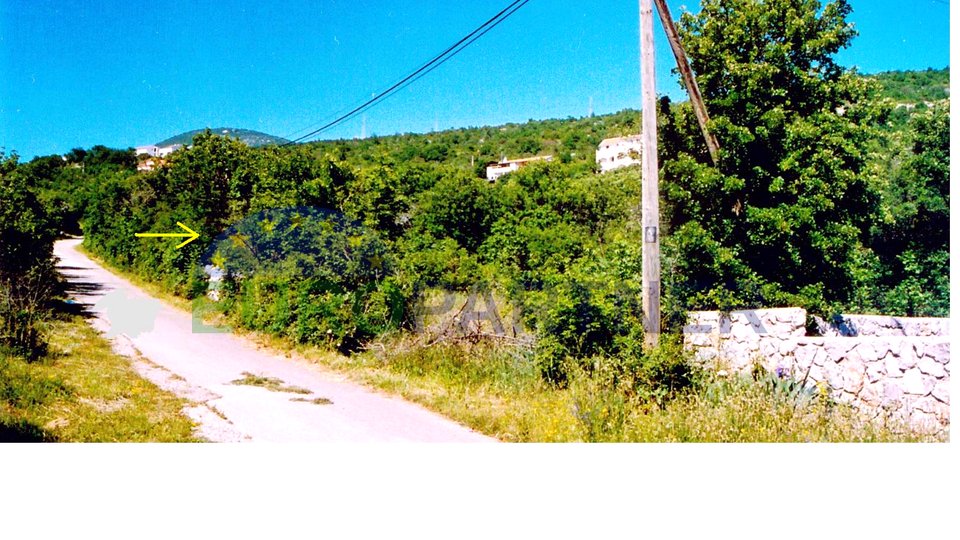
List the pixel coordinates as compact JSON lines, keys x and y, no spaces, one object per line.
{"x":315,"y":401}
{"x":82,"y":391}
{"x":270,"y":383}
{"x":497,"y":390}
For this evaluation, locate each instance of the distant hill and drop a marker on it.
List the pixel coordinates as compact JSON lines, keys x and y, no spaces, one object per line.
{"x":915,"y":86}
{"x":247,"y":136}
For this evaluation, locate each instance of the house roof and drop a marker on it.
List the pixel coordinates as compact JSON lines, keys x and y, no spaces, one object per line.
{"x":614,"y":140}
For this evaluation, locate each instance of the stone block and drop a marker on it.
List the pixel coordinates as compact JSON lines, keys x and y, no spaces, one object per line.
{"x":833,"y":376}
{"x":793,"y":316}
{"x":869,"y":327}
{"x":867,"y":351}
{"x":930,"y":367}
{"x":906,"y":358}
{"x":743,"y":330}
{"x":815,"y":374}
{"x":892,"y":366}
{"x":707,"y":354}
{"x":876,"y":371}
{"x":929,"y":405}
{"x":838,"y":348}
{"x":803,"y":354}
{"x":699,"y":329}
{"x":870,"y":395}
{"x":913,"y":327}
{"x":892,"y":393}
{"x":939,"y":351}
{"x":772,"y":362}
{"x":820,"y":356}
{"x":916,"y":383}
{"x":787,"y":346}
{"x":769,"y":346}
{"x":852,"y":378}
{"x":888,"y":344}
{"x":700,"y":340}
{"x":941,"y":391}
{"x":711,"y":318}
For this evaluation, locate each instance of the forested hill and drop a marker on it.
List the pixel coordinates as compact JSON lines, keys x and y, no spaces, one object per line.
{"x":568,"y":139}
{"x":247,"y":136}
{"x":915,"y":86}
{"x":576,"y":139}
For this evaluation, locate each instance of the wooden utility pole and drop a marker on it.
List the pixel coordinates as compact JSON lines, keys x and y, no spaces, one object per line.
{"x":650,"y":215}
{"x":693,"y":90}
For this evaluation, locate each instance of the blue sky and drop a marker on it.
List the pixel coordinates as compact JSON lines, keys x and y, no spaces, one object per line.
{"x":76,"y":73}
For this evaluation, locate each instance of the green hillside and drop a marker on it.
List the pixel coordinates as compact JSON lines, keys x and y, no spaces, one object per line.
{"x":915,"y":86}
{"x":247,"y":136}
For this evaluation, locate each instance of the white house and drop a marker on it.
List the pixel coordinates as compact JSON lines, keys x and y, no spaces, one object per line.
{"x":153,"y":150}
{"x":496,"y":170}
{"x":619,"y":152}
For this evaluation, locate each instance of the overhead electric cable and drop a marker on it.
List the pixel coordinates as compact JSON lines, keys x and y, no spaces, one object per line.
{"x":454,"y":53}
{"x":439,"y":59}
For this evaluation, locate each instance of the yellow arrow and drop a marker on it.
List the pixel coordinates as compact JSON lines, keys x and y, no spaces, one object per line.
{"x":190,"y":235}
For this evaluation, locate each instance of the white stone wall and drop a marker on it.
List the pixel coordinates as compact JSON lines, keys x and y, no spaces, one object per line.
{"x":881,"y":325}
{"x":884,"y":365}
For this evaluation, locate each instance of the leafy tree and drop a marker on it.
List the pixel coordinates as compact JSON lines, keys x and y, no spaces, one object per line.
{"x":459,"y":206}
{"x":913,"y":243}
{"x":782,"y":217}
{"x":27,"y":277}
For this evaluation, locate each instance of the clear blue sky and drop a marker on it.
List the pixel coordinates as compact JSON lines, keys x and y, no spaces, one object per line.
{"x":75,"y":73}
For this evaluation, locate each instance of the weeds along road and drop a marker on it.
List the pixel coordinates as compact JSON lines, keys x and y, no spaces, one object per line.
{"x":301,"y":403}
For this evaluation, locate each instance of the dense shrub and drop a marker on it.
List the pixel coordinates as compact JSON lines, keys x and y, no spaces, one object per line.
{"x":27,"y":276}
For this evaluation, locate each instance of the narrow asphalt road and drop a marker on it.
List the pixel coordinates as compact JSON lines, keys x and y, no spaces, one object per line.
{"x":203,"y":366}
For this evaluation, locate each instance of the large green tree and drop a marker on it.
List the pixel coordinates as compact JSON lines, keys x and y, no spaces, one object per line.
{"x":783,"y":218}
{"x":27,"y":278}
{"x":913,"y":240}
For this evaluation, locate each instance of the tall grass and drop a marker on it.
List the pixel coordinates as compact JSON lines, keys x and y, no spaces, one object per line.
{"x":82,"y":391}
{"x":498,"y":391}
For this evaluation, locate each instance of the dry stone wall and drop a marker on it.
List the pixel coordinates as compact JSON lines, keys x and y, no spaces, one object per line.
{"x":894,"y":366}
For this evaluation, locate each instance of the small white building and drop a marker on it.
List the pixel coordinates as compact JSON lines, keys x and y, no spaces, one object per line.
{"x":153,"y":150}
{"x":504,"y":166}
{"x":619,"y":152}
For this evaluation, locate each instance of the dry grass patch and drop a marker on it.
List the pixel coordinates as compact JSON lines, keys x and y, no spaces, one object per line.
{"x":84,"y":392}
{"x":270,"y":383}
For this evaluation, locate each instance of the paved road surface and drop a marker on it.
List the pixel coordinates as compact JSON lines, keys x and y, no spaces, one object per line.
{"x":202,"y":366}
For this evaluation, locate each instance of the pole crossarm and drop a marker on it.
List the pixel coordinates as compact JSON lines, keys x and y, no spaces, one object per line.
{"x":689,"y":80}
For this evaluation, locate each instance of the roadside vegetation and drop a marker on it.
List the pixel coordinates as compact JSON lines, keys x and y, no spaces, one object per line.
{"x":828,"y":195}
{"x":59,"y":380}
{"x":81,"y":391}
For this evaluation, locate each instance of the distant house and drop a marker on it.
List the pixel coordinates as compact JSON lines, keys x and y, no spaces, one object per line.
{"x":153,"y":150}
{"x":619,"y":152}
{"x":504,"y":166}
{"x":155,"y":155}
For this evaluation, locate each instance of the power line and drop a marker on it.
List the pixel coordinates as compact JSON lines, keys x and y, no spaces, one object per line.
{"x":435,"y":62}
